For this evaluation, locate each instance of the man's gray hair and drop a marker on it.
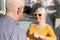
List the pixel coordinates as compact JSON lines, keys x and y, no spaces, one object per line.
{"x":13,"y":4}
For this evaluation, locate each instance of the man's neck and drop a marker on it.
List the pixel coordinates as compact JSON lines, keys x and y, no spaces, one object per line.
{"x":11,"y":14}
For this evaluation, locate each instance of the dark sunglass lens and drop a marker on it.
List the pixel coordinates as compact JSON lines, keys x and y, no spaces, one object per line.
{"x":35,"y":14}
{"x":39,"y":14}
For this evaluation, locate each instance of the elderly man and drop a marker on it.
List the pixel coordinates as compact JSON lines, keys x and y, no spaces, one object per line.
{"x":9,"y":29}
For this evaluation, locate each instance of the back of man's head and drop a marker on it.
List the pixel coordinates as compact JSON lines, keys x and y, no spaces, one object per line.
{"x":14,"y":8}
{"x":11,"y":5}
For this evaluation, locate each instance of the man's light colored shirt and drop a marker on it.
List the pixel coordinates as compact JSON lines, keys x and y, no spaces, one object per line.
{"x":9,"y":29}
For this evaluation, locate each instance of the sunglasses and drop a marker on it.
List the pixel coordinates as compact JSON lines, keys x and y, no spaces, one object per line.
{"x":37,"y":15}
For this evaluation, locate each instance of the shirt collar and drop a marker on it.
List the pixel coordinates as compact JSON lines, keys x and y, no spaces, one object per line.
{"x":10,"y":19}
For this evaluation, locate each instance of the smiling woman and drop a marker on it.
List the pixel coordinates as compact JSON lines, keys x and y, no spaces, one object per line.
{"x":40,"y":30}
{"x":41,"y":14}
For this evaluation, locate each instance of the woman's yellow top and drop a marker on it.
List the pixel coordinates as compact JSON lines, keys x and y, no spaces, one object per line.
{"x":46,"y":31}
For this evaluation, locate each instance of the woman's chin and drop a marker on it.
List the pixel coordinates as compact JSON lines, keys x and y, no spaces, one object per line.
{"x":37,"y":21}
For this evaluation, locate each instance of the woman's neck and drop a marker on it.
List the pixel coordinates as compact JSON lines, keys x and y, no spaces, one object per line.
{"x":40,"y":24}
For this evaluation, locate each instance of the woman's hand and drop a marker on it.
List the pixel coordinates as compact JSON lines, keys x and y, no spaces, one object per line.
{"x":28,"y":38}
{"x":40,"y":36}
{"x":43,"y":37}
{"x":36,"y":35}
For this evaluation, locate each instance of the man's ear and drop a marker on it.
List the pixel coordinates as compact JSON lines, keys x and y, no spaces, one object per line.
{"x":18,"y":11}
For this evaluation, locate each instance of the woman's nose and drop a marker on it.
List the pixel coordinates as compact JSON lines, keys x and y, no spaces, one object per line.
{"x":37,"y":17}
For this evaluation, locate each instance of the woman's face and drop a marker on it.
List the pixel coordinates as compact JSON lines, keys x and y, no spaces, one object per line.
{"x":40,"y":16}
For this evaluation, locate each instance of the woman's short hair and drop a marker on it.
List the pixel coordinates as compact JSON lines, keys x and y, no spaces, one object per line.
{"x":41,"y":9}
